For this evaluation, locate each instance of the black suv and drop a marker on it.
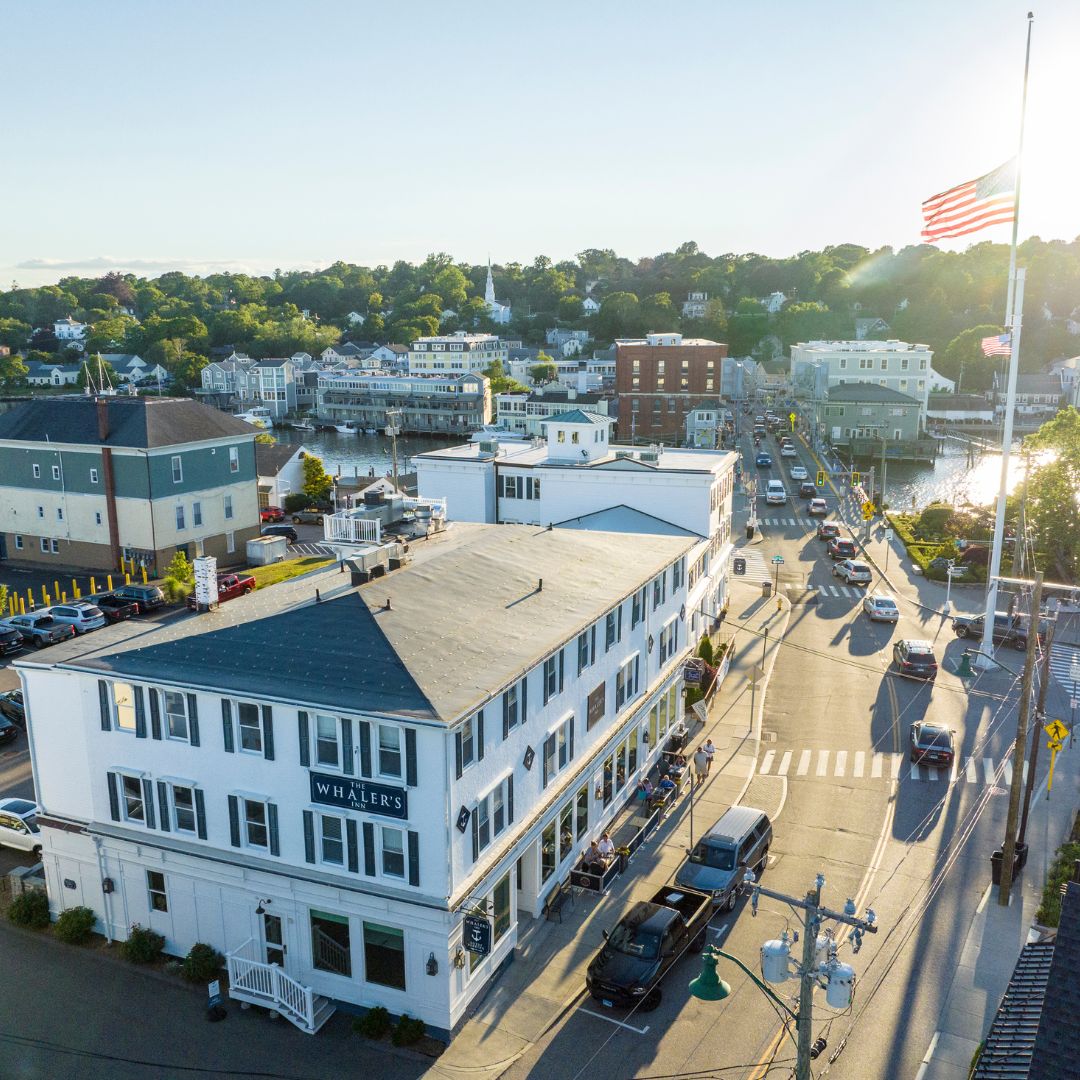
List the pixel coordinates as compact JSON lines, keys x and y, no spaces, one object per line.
{"x":147,"y":597}
{"x":915,"y":659}
{"x":281,"y":530}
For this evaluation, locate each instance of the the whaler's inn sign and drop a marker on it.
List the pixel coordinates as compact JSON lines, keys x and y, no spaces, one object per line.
{"x":360,"y":795}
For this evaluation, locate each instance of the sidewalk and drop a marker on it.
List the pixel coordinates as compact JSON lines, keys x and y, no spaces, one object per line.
{"x":547,"y":977}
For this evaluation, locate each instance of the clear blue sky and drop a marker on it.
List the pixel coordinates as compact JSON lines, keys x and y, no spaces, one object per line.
{"x":234,"y":134}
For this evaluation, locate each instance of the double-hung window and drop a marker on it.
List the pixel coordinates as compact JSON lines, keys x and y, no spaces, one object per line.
{"x":249,"y":723}
{"x":393,"y":852}
{"x":677,"y":570}
{"x":177,"y":469}
{"x":123,"y":701}
{"x":626,"y":682}
{"x":234,"y":459}
{"x":656,"y":585}
{"x":511,"y":709}
{"x":327,"y":741}
{"x":469,"y":742}
{"x":558,"y":749}
{"x":180,"y":526}
{"x":582,"y":652}
{"x":131,"y":798}
{"x":613,"y":628}
{"x":155,"y":887}
{"x":176,"y":716}
{"x":228,"y":507}
{"x":389,"y":750}
{"x":331,"y":839}
{"x":636,"y":610}
{"x":669,"y":640}
{"x":551,"y":673}
{"x":494,"y":813}
{"x":196,"y":515}
{"x":185,"y":813}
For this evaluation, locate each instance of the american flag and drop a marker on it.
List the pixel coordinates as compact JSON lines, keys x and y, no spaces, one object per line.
{"x":998,"y":345}
{"x":971,"y":206}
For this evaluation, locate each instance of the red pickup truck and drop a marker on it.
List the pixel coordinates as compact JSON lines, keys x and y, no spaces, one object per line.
{"x":228,"y":587}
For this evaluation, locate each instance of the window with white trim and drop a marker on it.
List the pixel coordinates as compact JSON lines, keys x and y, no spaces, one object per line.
{"x":550,"y":678}
{"x":177,"y":469}
{"x":56,"y":472}
{"x":155,"y":887}
{"x":180,"y":526}
{"x":123,"y":702}
{"x":669,"y":641}
{"x":558,"y":750}
{"x":176,"y":715}
{"x":466,"y":740}
{"x":227,"y":499}
{"x":327,"y":741}
{"x":37,"y":472}
{"x":234,"y":459}
{"x":626,"y":682}
{"x":494,"y":812}
{"x":93,"y":476}
{"x":331,"y":839}
{"x":389,"y":750}
{"x":583,"y":660}
{"x":196,"y":515}
{"x":254,"y":822}
{"x":613,"y":628}
{"x":250,"y":727}
{"x":678,"y":573}
{"x":132,"y":805}
{"x":184,"y":812}
{"x":391,"y":852}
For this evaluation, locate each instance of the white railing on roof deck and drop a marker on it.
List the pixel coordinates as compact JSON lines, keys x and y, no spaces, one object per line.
{"x":345,"y":526}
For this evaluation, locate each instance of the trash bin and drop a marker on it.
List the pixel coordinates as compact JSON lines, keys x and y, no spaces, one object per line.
{"x":749,"y":532}
{"x":1019,"y":859}
{"x":766,"y":589}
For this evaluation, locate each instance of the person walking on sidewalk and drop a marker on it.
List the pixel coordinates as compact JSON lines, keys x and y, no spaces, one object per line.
{"x":701,"y":764}
{"x":710,"y":750}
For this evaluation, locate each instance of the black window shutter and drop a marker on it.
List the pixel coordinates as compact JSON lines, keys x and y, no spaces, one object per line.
{"x":410,"y":756}
{"x":592,"y":643}
{"x":414,"y":858}
{"x":562,"y":668}
{"x":354,"y":852}
{"x":369,"y":849}
{"x":347,"y":764}
{"x":268,"y":732}
{"x":572,"y":726}
{"x":148,"y":803}
{"x":480,"y":735}
{"x":475,"y":836}
{"x":365,"y":748}
{"x":226,"y":724}
{"x":234,"y":821}
{"x":103,"y":702}
{"x":114,"y":798}
{"x":140,"y":712}
{"x":193,"y":719}
{"x":302,"y":733}
{"x":272,"y":821}
{"x":163,"y":804}
{"x":524,"y":703}
{"x":200,"y":813}
{"x":510,"y":799}
{"x":155,"y":714}
{"x":457,"y":754}
{"x":506,"y":713}
{"x":309,"y":836}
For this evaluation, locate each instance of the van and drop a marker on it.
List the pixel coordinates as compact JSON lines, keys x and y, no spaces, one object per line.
{"x":738,"y":842}
{"x":775,"y":492}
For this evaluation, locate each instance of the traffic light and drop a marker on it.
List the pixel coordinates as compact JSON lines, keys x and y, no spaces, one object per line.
{"x":821,"y":478}
{"x":856,"y":479}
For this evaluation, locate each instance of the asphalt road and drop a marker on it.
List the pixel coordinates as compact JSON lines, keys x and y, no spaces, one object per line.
{"x":834,"y":773}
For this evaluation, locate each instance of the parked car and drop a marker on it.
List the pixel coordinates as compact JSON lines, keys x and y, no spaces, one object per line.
{"x":763,"y":461}
{"x":311,"y":516}
{"x":1008,"y":629}
{"x":8,"y":731}
{"x":932,"y":744}
{"x":817,"y":506}
{"x":18,"y":825}
{"x":116,"y":608}
{"x":915,"y":659}
{"x":880,"y":607}
{"x":148,"y":597}
{"x":11,"y":706}
{"x":229,"y":586}
{"x":840,"y":547}
{"x":775,"y":493}
{"x":645,"y":944}
{"x":79,"y":614}
{"x":828,"y":530}
{"x":807,"y":490}
{"x":281,"y":530}
{"x":39,"y":628}
{"x":739,"y":839}
{"x":271,"y":513}
{"x":10,"y":640}
{"x":854,"y":573}
{"x":798,"y":472}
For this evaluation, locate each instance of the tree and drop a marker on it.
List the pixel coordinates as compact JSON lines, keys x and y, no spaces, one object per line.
{"x":12,"y":369}
{"x":1053,"y":508}
{"x":179,"y":578}
{"x":266,"y":438}
{"x":570,"y":309}
{"x":658,"y":313}
{"x":14,"y":333}
{"x":619,"y":316}
{"x":317,"y":482}
{"x":501,"y":383}
{"x":108,"y":335}
{"x":544,"y":370}
{"x":963,"y":361}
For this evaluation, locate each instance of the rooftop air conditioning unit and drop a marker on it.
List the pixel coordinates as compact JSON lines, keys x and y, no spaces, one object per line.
{"x":489,"y":446}
{"x":624,"y":454}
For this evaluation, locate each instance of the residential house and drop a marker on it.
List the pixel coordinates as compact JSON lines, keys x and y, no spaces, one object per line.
{"x":344,"y":352}
{"x":945,"y":409}
{"x":131,"y":368}
{"x":363,"y":834}
{"x":590,"y":306}
{"x":567,"y":342}
{"x":48,"y":373}
{"x":867,"y":411}
{"x":870,"y":326}
{"x":87,"y":481}
{"x":939,"y":384}
{"x":703,"y":427}
{"x":354,"y":318}
{"x":69,"y":331}
{"x":1036,"y":395}
{"x":695,"y":305}
{"x":280,"y":471}
{"x":773,"y":302}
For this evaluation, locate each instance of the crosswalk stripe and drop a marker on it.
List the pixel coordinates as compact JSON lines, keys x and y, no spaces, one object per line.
{"x":785,"y":764}
{"x":767,"y":760}
{"x":875,"y":769}
{"x":804,"y":763}
{"x":972,"y":775}
{"x":860,"y":761}
{"x":934,"y":773}
{"x":1006,"y":777}
{"x":823,"y":763}
{"x":841,"y":763}
{"x":954,"y":771}
{"x":916,"y":772}
{"x":988,"y":770}
{"x":896,"y":760}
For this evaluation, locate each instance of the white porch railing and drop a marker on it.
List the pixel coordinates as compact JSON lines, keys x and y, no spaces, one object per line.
{"x":354,"y":530}
{"x":267,"y":985}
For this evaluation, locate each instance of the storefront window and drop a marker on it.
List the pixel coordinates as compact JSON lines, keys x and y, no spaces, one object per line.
{"x":501,"y":897}
{"x":547,"y":852}
{"x":384,"y":955}
{"x":566,"y":831}
{"x":654,"y":730}
{"x":330,"y":950}
{"x":609,"y":775}
{"x":672,"y":708}
{"x":663,"y":717}
{"x":631,"y":759}
{"x":620,"y":767}
{"x":582,"y":812}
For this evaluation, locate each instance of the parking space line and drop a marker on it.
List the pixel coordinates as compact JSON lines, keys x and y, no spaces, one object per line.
{"x":612,"y":1020}
{"x":785,"y":763}
{"x":972,"y":775}
{"x":767,"y":760}
{"x":804,"y":763}
{"x":860,"y":764}
{"x":841,"y":763}
{"x":823,"y":763}
{"x":988,"y":770}
{"x":875,"y":769}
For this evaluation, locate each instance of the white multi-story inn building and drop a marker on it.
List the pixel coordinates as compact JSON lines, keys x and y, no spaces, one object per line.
{"x":459,"y":352}
{"x":818,"y":365}
{"x":577,"y":479}
{"x":336,"y":818}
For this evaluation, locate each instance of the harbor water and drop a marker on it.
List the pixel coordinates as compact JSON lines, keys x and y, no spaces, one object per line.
{"x":350,"y":454}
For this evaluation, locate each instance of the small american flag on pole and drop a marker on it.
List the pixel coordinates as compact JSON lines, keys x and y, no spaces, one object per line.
{"x":971,"y":206}
{"x":998,"y":345}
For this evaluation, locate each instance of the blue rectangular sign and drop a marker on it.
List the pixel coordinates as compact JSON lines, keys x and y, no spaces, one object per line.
{"x":361,"y":795}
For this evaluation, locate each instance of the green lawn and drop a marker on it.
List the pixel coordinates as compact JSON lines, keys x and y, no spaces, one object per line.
{"x":290,"y":568}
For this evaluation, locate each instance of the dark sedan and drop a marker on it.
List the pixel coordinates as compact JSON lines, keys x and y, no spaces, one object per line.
{"x":763,"y":461}
{"x":8,"y":731}
{"x":11,"y":706}
{"x":931,"y":744}
{"x":10,"y":641}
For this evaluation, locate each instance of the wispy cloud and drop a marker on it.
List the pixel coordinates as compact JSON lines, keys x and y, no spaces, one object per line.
{"x":45,"y":269}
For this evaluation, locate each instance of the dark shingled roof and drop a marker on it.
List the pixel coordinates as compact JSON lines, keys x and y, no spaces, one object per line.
{"x":270,"y":460}
{"x":133,"y":421}
{"x":870,"y":393}
{"x":1057,"y":1045}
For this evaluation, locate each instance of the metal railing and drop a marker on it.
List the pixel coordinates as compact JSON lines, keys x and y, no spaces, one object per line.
{"x":348,"y":527}
{"x":267,"y":985}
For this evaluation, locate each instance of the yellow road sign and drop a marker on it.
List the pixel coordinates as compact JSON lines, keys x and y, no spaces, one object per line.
{"x":868,"y":509}
{"x":1056,"y":730}
{"x":1055,"y":745}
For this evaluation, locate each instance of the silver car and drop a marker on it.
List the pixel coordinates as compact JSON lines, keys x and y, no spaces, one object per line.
{"x":18,"y":825}
{"x":880,"y":607}
{"x":854,"y":573}
{"x":81,"y":615}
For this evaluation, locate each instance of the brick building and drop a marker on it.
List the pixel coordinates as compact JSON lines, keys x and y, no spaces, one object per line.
{"x":662,"y":377}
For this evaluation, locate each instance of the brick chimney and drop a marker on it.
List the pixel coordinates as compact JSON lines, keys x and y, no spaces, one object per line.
{"x":102,"y":404}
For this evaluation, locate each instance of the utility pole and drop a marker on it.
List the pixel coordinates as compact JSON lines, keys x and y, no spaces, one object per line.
{"x":884,"y":466}
{"x":1036,"y":730}
{"x":1008,"y":849}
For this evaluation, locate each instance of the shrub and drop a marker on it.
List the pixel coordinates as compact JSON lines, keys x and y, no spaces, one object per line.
{"x":374,"y":1024}
{"x":202,"y":963}
{"x":143,"y":945}
{"x":1061,"y":870}
{"x":30,"y":910}
{"x":705,"y":649}
{"x":75,"y":925}
{"x":408,"y":1031}
{"x":175,"y":590}
{"x":934,"y":520}
{"x":295,"y":500}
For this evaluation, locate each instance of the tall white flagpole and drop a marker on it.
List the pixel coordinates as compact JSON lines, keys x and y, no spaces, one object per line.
{"x":1013,"y":320}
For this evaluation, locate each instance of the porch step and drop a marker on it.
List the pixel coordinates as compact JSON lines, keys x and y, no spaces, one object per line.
{"x":324,"y":1009}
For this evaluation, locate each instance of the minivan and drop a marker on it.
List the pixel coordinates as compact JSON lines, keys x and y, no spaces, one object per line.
{"x":738,"y":842}
{"x":775,"y":492}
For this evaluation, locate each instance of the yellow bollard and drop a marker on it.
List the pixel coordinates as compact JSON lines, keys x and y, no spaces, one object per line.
{"x":109,"y":580}
{"x":127,"y":579}
{"x":56,"y":588}
{"x":63,"y":597}
{"x":144,"y":575}
{"x":75,"y":591}
{"x":22,"y":606}
{"x":46,"y":600}
{"x":43,"y":595}
{"x":93,"y":586}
